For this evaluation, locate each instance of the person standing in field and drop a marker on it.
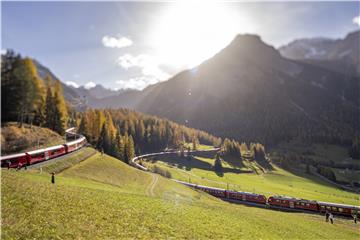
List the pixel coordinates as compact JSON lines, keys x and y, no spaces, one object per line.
{"x":327,"y":216}
{"x":53,"y":178}
{"x":331,"y":218}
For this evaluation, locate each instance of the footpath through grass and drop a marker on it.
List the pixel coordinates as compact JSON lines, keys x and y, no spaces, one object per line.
{"x":102,"y":198}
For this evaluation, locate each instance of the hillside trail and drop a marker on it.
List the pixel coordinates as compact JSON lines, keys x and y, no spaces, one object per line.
{"x":151,"y":186}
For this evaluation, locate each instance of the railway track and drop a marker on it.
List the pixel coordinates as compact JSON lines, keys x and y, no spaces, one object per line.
{"x":247,"y":203}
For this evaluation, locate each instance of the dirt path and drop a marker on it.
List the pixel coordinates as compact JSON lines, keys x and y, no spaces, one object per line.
{"x":151,"y":186}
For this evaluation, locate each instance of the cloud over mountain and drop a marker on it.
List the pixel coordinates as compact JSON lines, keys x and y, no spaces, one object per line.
{"x":119,"y":42}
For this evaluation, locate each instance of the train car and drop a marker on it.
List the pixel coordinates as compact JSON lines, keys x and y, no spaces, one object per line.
{"x":281,"y":201}
{"x":248,"y":197}
{"x":217,"y":192}
{"x":38,"y":155}
{"x":14,"y":160}
{"x":306,"y":205}
{"x":340,"y":209}
{"x":56,"y":151}
{"x":74,"y":145}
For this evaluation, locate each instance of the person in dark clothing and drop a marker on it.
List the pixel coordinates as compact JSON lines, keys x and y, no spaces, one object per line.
{"x":327,"y":216}
{"x":53,"y":178}
{"x":331,"y":218}
{"x":355,"y":218}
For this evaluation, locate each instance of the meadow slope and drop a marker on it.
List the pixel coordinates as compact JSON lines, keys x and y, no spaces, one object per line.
{"x":199,"y":170}
{"x":102,"y":197}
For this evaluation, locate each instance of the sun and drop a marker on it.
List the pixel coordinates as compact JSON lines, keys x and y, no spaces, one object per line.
{"x":187,"y":33}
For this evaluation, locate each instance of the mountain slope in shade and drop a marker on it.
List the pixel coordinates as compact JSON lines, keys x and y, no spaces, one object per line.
{"x":248,"y":91}
{"x":340,"y":54}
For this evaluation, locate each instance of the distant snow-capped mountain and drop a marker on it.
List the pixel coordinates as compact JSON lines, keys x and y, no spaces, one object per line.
{"x":341,"y":54}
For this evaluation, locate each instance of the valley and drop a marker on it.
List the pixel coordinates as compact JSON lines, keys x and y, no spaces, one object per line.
{"x":180,"y":120}
{"x":241,"y":177}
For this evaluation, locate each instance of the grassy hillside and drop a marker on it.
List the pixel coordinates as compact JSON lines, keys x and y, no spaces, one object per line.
{"x":346,"y":169}
{"x":60,"y":164}
{"x":103,"y":198}
{"x":277,"y":182}
{"x":15,"y":139}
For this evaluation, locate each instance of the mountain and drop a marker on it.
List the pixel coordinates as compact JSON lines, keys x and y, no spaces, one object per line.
{"x":341,"y":54}
{"x":81,"y":97}
{"x":248,"y":91}
{"x":99,"y":91}
{"x":71,"y":95}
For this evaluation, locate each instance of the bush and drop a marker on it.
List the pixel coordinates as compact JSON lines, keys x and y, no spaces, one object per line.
{"x":161,"y":171}
{"x":327,"y":172}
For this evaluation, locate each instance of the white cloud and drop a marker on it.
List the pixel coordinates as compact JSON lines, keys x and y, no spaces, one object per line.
{"x":149,"y":65}
{"x":89,"y":85}
{"x":3,"y":51}
{"x":356,"y":20}
{"x":137,"y":83}
{"x":113,"y":42}
{"x":72,"y":84}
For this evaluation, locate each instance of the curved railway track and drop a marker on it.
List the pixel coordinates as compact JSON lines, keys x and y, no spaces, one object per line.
{"x":338,"y":209}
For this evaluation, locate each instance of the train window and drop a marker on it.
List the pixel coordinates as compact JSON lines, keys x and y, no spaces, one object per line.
{"x":302,"y":204}
{"x":328,"y":207}
{"x":307,"y":205}
{"x":323,"y":207}
{"x":277,"y":200}
{"x":340,"y":209}
{"x":334,"y":208}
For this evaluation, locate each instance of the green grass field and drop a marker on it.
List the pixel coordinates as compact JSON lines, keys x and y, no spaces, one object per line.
{"x":198,"y":146}
{"x":277,"y":182}
{"x":61,"y":165}
{"x":103,"y":198}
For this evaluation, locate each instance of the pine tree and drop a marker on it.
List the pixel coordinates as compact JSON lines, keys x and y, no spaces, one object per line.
{"x":49,"y":105}
{"x":60,"y":109}
{"x":194,"y":143}
{"x":122,"y":149}
{"x":103,"y":143}
{"x":117,"y":146}
{"x":83,"y":127}
{"x":130,"y":149}
{"x":25,"y":99}
{"x":10,"y":86}
{"x":218,"y":164}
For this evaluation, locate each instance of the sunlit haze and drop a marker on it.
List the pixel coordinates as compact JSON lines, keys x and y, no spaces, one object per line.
{"x":133,"y":44}
{"x":186,"y":34}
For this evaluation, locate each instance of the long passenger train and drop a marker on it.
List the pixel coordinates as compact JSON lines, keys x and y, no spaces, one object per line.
{"x":279,"y":202}
{"x":28,"y":158}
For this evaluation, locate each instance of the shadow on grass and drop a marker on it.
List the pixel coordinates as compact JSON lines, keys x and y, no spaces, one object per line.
{"x":182,"y":162}
{"x":189,"y":163}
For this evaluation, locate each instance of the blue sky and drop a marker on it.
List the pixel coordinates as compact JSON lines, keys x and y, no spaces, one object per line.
{"x":134,"y":44}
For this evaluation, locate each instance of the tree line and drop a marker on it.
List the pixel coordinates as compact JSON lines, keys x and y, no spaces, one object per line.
{"x":236,"y":149}
{"x":26,"y":98}
{"x":122,"y":133}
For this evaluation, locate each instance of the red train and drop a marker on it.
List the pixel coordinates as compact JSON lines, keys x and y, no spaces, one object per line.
{"x":39,"y":155}
{"x":280,"y":201}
